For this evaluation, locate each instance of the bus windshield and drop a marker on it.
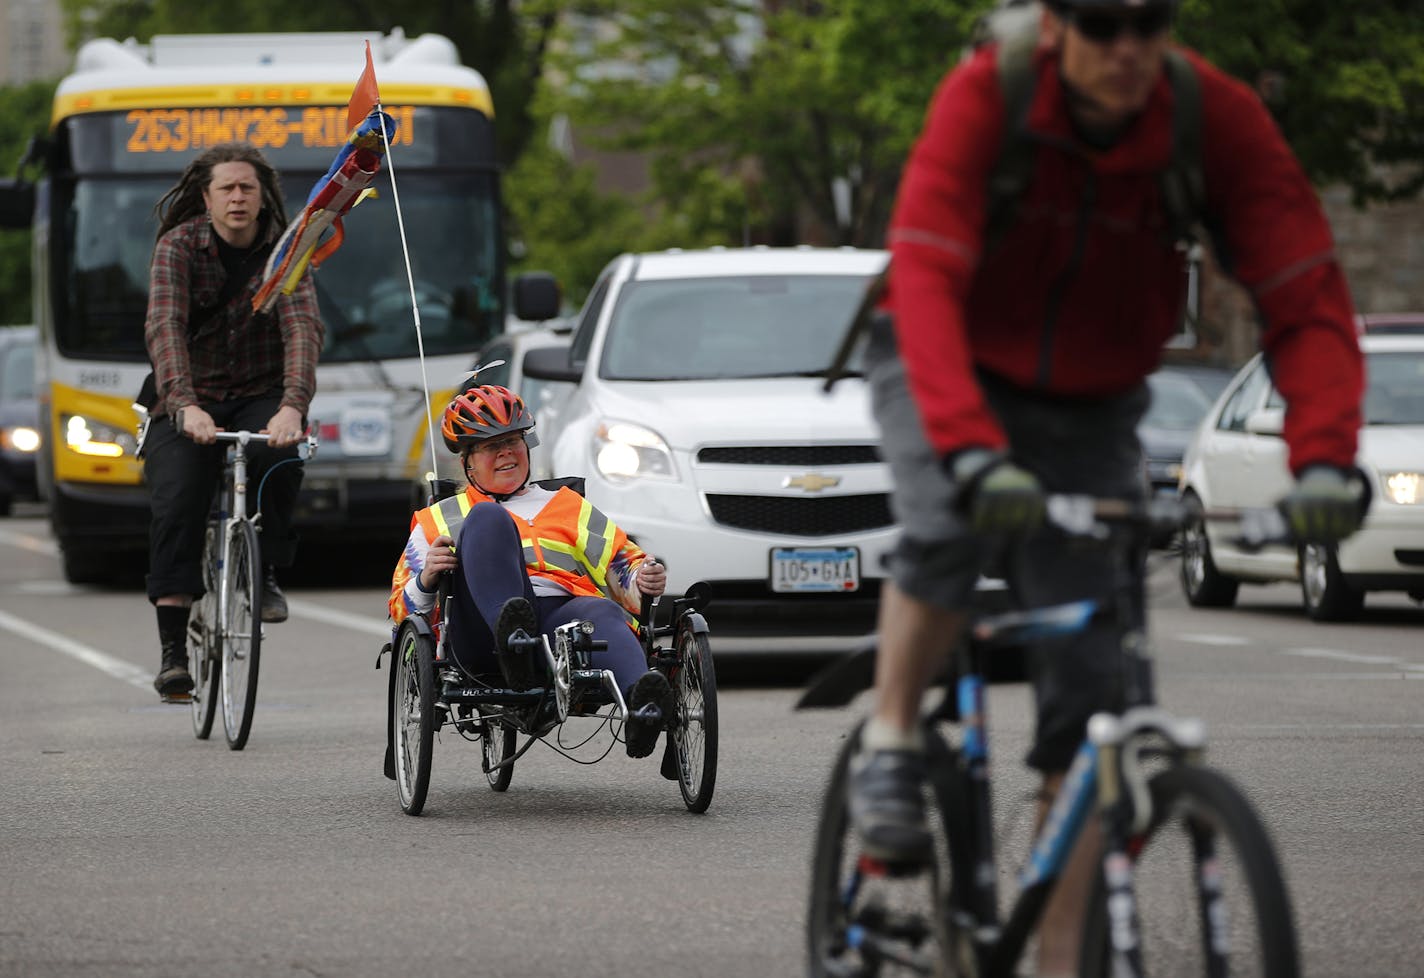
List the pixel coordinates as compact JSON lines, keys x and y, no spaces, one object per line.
{"x":451,"y":219}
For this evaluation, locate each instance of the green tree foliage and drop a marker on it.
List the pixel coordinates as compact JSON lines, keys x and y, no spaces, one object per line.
{"x":1345,"y":82}
{"x":24,"y":111}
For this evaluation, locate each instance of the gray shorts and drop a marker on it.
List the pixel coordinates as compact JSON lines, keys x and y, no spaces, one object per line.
{"x":1072,"y":446}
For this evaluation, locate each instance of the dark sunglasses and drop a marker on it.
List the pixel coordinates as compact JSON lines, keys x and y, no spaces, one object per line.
{"x":1104,"y":27}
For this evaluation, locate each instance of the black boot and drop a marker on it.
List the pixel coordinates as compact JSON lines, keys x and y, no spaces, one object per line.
{"x":173,"y":678}
{"x":274,"y":602}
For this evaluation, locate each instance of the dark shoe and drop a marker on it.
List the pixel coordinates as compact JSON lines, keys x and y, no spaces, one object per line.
{"x":274,"y":602}
{"x":516,"y":623}
{"x":650,"y":704}
{"x":173,"y":678}
{"x":887,"y":805}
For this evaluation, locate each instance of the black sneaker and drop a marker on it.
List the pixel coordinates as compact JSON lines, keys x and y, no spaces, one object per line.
{"x":650,"y":704}
{"x":516,"y":622}
{"x":887,"y":805}
{"x":274,"y":602}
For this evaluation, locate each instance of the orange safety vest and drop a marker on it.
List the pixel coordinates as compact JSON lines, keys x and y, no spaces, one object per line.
{"x":569,"y":542}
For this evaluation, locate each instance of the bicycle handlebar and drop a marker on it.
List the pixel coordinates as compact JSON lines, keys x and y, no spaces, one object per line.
{"x":1089,"y":516}
{"x":306,"y":448}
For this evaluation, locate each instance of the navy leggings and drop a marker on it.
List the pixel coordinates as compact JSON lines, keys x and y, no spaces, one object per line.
{"x":492,"y":571}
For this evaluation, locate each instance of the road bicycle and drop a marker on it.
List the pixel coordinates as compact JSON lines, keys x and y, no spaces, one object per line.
{"x":1189,"y":883}
{"x":225,"y":627}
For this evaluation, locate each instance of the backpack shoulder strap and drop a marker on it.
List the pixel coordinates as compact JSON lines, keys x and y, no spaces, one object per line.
{"x":1183,"y":184}
{"x":1014,"y":167}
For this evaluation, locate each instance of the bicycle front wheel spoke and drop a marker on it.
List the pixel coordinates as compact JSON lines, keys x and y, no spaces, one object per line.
{"x":241,"y":628}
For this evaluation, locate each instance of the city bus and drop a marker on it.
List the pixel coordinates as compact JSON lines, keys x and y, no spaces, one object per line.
{"x":124,"y":125}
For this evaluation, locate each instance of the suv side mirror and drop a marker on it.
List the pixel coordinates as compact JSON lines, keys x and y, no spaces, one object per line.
{"x":1267,"y":421}
{"x":536,"y":297}
{"x":551,"y":363}
{"x":17,"y":204}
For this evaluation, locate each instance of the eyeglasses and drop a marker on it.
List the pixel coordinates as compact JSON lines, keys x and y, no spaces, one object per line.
{"x":497,"y":445}
{"x":1104,"y":27}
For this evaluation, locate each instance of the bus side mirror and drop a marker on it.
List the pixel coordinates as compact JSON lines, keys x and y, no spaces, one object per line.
{"x":536,"y":297}
{"x":17,"y":204}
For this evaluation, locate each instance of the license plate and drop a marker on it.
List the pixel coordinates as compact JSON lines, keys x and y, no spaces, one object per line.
{"x":796,"y":569}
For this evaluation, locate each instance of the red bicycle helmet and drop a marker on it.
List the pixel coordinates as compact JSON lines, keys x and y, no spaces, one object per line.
{"x":480,"y":413}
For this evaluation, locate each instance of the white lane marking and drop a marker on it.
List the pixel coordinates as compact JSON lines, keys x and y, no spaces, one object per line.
{"x":103,"y":661}
{"x":1341,"y":656}
{"x":29,"y":541}
{"x":1202,"y":638}
{"x":343,"y":619}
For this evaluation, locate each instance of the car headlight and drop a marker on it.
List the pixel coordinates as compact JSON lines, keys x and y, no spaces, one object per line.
{"x":624,"y":451}
{"x":21,"y":439}
{"x":89,"y":437}
{"x":1403,"y":488}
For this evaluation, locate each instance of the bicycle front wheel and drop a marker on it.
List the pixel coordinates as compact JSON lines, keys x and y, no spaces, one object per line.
{"x":241,"y":613}
{"x":1211,"y":899}
{"x":867,"y":919}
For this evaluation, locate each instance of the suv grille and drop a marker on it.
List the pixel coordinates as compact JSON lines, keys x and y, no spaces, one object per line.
{"x":791,"y":455}
{"x":799,"y":517}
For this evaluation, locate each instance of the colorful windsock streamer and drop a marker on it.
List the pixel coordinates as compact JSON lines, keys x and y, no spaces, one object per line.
{"x":302,"y":244}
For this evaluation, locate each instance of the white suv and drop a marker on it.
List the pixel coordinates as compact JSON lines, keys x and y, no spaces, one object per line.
{"x":700,"y":421}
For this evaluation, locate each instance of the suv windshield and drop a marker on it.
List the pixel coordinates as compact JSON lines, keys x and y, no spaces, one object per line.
{"x":730,"y":327}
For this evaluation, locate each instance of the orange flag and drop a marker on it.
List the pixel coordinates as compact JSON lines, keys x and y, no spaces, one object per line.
{"x":365,"y":95}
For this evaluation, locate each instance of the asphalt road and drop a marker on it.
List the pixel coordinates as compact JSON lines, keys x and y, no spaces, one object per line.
{"x":129,"y":848}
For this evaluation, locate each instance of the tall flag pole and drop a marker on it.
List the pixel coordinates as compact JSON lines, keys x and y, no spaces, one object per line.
{"x":305,"y":242}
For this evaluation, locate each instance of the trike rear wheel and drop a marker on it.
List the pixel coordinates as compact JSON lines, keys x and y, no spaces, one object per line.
{"x":498,"y":743}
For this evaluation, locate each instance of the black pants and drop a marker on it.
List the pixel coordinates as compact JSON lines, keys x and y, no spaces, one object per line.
{"x":182,"y":477}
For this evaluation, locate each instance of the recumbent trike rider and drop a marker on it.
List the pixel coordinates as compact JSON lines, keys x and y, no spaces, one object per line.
{"x":518,"y":605}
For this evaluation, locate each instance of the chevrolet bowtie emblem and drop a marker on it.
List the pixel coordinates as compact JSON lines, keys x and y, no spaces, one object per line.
{"x":810,"y":482}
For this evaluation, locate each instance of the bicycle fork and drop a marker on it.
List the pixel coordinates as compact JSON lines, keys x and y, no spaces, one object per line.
{"x":1125,"y":807}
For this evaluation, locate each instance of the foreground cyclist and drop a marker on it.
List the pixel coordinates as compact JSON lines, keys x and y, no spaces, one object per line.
{"x":1024,"y":339}
{"x":527,"y":559}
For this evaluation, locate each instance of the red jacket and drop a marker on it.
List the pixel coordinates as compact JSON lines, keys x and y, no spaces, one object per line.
{"x":1084,"y":287}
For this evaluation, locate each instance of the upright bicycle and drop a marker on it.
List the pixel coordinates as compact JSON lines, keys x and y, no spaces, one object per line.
{"x":225,"y":627}
{"x":1189,"y":883}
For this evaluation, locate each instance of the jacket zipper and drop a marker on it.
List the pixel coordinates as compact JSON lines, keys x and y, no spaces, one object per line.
{"x":1060,"y":287}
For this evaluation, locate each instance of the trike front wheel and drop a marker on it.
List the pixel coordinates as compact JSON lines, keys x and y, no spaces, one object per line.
{"x":692,"y":737}
{"x":414,"y":708}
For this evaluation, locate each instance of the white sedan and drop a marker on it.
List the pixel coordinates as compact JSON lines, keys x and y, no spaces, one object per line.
{"x":1238,"y":459}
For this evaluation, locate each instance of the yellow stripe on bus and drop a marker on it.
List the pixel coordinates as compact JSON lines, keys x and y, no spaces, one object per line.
{"x":248,"y":95}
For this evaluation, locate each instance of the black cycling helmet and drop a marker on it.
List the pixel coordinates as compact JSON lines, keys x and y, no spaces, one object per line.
{"x":479,"y":413}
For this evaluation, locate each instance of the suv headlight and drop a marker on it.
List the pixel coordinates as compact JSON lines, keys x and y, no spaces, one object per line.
{"x":624,"y":451}
{"x":1403,"y":488}
{"x":89,"y":437}
{"x":20,"y":438}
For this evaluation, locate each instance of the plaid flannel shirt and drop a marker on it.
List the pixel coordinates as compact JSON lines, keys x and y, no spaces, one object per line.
{"x":236,"y":352}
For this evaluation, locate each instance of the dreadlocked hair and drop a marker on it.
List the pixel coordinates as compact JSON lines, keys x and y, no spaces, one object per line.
{"x":185,"y":199}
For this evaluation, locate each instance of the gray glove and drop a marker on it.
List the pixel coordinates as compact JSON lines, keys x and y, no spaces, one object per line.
{"x":997,"y":495}
{"x":1326,"y":505}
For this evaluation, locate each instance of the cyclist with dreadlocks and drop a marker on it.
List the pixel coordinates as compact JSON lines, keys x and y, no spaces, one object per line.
{"x":219,"y":365}
{"x":526,"y":559}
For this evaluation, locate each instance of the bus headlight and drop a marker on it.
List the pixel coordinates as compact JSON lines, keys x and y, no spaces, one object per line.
{"x":21,"y":439}
{"x":1403,"y":488}
{"x":624,"y":451}
{"x":86,"y":436}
